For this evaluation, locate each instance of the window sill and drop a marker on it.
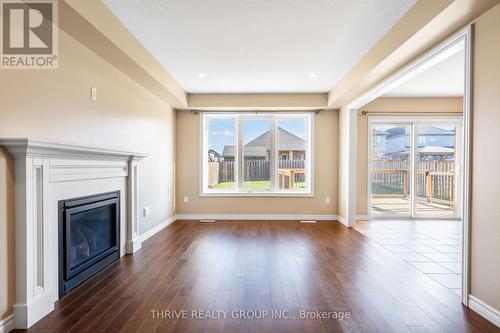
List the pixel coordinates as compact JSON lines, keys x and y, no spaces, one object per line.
{"x":258,"y":194}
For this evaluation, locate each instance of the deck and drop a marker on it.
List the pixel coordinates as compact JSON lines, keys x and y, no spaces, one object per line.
{"x":396,"y":206}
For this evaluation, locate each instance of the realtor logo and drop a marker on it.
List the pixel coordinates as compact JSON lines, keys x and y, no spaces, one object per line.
{"x":29,"y":34}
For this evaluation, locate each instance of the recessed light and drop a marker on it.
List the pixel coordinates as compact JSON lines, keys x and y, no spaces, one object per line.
{"x":313,"y":75}
{"x":202,"y":75}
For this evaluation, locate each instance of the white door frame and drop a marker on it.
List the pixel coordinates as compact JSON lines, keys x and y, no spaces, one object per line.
{"x":428,"y":59}
{"x":413,"y":122}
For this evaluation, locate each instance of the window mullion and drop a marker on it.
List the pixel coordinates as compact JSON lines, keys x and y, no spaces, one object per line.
{"x":273,"y":162}
{"x":308,"y":173}
{"x":239,"y":155}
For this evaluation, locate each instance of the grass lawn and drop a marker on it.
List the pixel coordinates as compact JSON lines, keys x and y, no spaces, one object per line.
{"x":261,"y":184}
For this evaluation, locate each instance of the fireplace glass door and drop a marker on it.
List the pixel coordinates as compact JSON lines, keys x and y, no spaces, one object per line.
{"x":91,"y":233}
{"x":89,"y":237}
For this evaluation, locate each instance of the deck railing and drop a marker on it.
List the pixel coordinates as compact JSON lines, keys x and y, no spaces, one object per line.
{"x":435,"y":180}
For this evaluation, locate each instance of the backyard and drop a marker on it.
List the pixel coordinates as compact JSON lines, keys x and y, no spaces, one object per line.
{"x":251,"y":185}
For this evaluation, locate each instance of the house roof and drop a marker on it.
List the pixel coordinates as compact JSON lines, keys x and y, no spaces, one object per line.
{"x":212,"y":151}
{"x":427,"y":150}
{"x":379,"y":132}
{"x":259,"y":146}
{"x":436,"y":150}
{"x":422,"y":130}
{"x":228,"y":151}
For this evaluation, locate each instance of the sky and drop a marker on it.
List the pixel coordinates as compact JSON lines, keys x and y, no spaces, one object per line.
{"x":222,"y":132}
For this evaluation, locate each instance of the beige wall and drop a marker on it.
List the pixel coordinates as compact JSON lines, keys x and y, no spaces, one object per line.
{"x":55,"y":105}
{"x":326,"y":170}
{"x":485,"y":234}
{"x":290,"y":101}
{"x":436,"y":105}
{"x":92,"y":24}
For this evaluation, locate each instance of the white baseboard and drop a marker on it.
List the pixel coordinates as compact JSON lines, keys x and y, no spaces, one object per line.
{"x":484,"y":310}
{"x":7,"y":324}
{"x":259,"y":217}
{"x":151,"y":232}
{"x":362,"y":218}
{"x":342,"y":220}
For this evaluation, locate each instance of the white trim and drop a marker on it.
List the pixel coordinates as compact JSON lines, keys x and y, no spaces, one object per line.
{"x":259,"y":194}
{"x":488,"y":312}
{"x":448,"y":46}
{"x":342,"y":220}
{"x":369,"y":166}
{"x":239,"y":191}
{"x":413,"y":122}
{"x":7,"y":324}
{"x":20,"y":147}
{"x":467,"y":34}
{"x":425,"y":61}
{"x":259,"y":217}
{"x":409,"y":219}
{"x":239,"y":217}
{"x":407,"y":120}
{"x":156,"y":229}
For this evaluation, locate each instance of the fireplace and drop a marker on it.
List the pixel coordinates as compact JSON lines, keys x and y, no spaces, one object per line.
{"x":89,"y":237}
{"x":46,"y":174}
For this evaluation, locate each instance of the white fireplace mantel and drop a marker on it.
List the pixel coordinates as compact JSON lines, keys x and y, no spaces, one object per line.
{"x":46,"y":172}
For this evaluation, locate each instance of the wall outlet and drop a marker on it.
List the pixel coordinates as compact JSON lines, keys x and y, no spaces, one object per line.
{"x":93,"y":93}
{"x":328,"y":200}
{"x":146,"y":211}
{"x":186,"y":199}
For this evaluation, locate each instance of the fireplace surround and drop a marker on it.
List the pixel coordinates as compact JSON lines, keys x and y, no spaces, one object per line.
{"x":45,"y":174}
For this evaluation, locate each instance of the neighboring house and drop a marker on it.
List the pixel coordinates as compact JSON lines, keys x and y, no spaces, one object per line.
{"x":379,"y":141}
{"x":433,"y":142}
{"x":228,"y":153}
{"x":214,"y":156}
{"x":291,"y":147}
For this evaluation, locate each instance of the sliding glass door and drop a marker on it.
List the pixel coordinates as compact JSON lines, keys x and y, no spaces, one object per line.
{"x":390,"y":170}
{"x":414,"y":167}
{"x":437,"y":183}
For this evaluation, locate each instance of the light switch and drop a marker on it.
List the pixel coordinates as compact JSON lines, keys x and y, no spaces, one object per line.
{"x":93,"y":93}
{"x":186,"y":199}
{"x":146,"y":211}
{"x":328,"y":200}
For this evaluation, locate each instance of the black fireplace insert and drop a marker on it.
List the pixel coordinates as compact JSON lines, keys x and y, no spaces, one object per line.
{"x":89,"y":237}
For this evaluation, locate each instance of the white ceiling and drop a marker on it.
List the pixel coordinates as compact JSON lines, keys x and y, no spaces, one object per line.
{"x":444,"y":79}
{"x":258,"y":45}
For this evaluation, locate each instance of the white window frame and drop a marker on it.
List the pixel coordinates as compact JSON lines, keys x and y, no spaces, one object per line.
{"x":274,"y":190}
{"x":413,"y":122}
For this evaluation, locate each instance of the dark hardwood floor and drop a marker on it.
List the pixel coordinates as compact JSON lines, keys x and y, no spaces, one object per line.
{"x":267,"y":266}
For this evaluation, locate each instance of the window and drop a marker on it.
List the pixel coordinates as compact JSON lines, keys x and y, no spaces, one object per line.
{"x":256,"y":154}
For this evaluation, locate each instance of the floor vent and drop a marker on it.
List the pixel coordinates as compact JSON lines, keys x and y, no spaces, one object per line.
{"x":307,"y":221}
{"x":207,"y":221}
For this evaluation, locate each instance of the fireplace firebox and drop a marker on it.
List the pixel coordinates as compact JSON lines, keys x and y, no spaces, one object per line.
{"x":89,"y":237}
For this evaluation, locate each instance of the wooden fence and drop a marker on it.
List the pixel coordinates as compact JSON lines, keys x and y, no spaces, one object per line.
{"x":435,"y":180}
{"x":255,"y":170}
{"x":213,"y":173}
